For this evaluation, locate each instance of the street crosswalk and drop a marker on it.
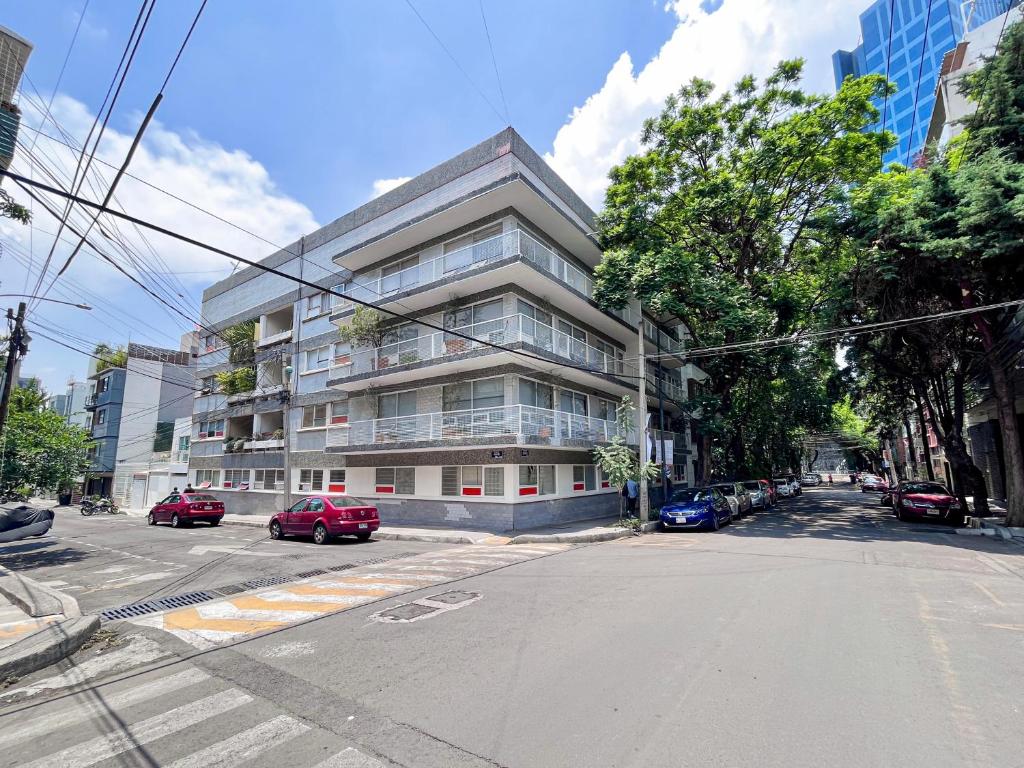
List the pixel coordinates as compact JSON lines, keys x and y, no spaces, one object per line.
{"x":176,"y":718}
{"x":221,"y":621}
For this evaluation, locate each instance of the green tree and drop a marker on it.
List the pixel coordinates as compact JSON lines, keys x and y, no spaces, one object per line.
{"x":12,"y":210}
{"x":110,"y":357}
{"x":725,"y":220}
{"x":617,"y":460}
{"x":366,"y":328}
{"x":41,"y":450}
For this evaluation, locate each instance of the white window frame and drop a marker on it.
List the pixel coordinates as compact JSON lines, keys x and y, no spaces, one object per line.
{"x":315,"y":305}
{"x":311,"y":480}
{"x":313,"y":421}
{"x":236,"y":478}
{"x":336,"y":477}
{"x":394,"y":480}
{"x":585,"y":475}
{"x":474,"y":486}
{"x":260,"y":479}
{"x":101,"y":416}
{"x":323,"y":359}
{"x":212,"y":476}
{"x":535,"y":486}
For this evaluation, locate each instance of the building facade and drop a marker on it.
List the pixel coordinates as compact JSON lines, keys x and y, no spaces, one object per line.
{"x":481,"y":405}
{"x":133,"y":410}
{"x":14,"y":53}
{"x":913,"y":42}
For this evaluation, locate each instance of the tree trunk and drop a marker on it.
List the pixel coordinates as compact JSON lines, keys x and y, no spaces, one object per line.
{"x":704,"y":460}
{"x":923,"y":426}
{"x":957,"y":447}
{"x":911,"y":452}
{"x":1003,"y":391}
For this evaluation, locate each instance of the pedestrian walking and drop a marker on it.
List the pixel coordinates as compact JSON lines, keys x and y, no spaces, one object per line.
{"x":189,"y":488}
{"x":631,"y":493}
{"x":830,"y":479}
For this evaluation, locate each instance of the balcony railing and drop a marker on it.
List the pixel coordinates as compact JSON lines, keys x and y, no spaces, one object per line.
{"x":671,"y":389}
{"x":90,"y":401}
{"x":510,"y":329}
{"x":275,"y":338}
{"x":508,"y":244}
{"x":513,"y":424}
{"x":181,"y":457}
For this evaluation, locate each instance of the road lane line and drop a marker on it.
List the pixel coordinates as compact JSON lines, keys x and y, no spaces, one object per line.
{"x":87,"y":709}
{"x":989,"y":594}
{"x":138,"y":734}
{"x":244,"y":746}
{"x":350,"y":758}
{"x":348,"y":590}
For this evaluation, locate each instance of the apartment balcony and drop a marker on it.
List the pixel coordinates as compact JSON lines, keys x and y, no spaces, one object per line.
{"x":180,"y":457}
{"x":503,"y":425}
{"x":393,"y":363}
{"x":264,"y":445}
{"x":278,"y":338}
{"x":671,"y":389}
{"x":90,"y":402}
{"x":518,"y":255}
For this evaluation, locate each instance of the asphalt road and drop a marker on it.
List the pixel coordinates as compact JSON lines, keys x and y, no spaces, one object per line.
{"x":108,"y":561}
{"x":823,"y":633}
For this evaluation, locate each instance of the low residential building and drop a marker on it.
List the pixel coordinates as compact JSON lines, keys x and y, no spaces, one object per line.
{"x":133,"y":412}
{"x":479,"y":407}
{"x":165,"y":471}
{"x":951,"y":106}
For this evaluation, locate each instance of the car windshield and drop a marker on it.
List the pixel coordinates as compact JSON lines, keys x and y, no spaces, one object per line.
{"x":691,"y":494}
{"x":346,"y":501}
{"x":752,"y":485}
{"x":782,"y":482}
{"x":200,"y":497}
{"x":728,"y":490}
{"x":926,"y":488}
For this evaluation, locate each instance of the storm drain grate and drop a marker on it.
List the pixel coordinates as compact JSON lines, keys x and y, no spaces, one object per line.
{"x":153,"y":606}
{"x":342,"y":567}
{"x":308,"y":574}
{"x":268,"y":581}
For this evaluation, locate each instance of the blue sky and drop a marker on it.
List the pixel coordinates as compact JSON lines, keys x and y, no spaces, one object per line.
{"x":280,"y":121}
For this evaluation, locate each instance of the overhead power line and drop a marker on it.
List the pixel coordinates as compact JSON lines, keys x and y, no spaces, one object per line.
{"x":455,"y":61}
{"x":494,"y":61}
{"x":26,"y":183}
{"x":920,"y":72}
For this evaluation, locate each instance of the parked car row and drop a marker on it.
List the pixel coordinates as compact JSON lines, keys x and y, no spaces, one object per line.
{"x":320,"y":517}
{"x":719,"y":504}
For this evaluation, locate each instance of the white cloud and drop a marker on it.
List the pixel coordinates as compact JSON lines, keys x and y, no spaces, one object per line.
{"x":739,"y":37}
{"x":227,"y":182}
{"x":380,"y":186}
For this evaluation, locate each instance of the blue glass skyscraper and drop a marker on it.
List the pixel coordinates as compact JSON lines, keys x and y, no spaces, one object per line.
{"x":913,"y":29}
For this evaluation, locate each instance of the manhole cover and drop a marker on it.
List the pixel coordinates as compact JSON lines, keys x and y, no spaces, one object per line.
{"x":406,"y":612}
{"x":453,"y":598}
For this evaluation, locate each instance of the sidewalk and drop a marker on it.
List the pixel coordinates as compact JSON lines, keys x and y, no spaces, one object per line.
{"x":38,"y":625}
{"x":580,"y":532}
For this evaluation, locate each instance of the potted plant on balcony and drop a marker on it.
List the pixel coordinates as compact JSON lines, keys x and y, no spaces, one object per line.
{"x":365,"y":328}
{"x":277,"y":434}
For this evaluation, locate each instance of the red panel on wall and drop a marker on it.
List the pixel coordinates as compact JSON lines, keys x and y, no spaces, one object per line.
{"x":472,"y":491}
{"x":527,"y":491}
{"x":385,"y":489}
{"x":336,"y":488}
{"x":605,"y":484}
{"x":577,"y":486}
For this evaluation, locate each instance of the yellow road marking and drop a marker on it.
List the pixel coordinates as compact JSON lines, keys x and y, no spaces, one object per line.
{"x":1014,"y":627}
{"x":399,"y":582}
{"x":189,"y":618}
{"x":253,"y":602}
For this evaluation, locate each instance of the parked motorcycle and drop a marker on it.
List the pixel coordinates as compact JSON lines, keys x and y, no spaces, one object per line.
{"x":94,"y":506}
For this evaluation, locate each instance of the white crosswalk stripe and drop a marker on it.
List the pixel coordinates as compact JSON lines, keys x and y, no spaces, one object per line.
{"x":142,"y":733}
{"x":242,"y":747}
{"x":73,"y":715}
{"x":350,"y":758}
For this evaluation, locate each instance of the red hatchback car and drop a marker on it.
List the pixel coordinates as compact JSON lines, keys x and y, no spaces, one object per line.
{"x":324,"y":517}
{"x":927,"y":500}
{"x":180,"y":509}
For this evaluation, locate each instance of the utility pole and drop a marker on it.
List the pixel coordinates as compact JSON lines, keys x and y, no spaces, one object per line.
{"x":661,"y":428}
{"x":641,"y":420}
{"x":286,"y":400}
{"x":16,"y":347}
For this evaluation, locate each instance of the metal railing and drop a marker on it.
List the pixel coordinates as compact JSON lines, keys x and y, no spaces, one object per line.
{"x":510,"y":329}
{"x":514,"y":243}
{"x":672,"y":389}
{"x":515,"y":424}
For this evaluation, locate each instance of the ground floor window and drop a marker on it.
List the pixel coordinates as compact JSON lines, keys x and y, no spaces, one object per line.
{"x":584,"y":477}
{"x":269,"y":480}
{"x":605,"y":482}
{"x":395,"y":480}
{"x":679,"y":473}
{"x":472,"y":481}
{"x":311,"y":479}
{"x":536,"y":479}
{"x":336,"y":481}
{"x":207,"y":478}
{"x":236,"y":478}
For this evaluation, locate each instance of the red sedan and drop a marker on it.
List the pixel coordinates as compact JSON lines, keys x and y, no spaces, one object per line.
{"x":324,"y":517}
{"x":180,"y":509}
{"x":915,"y":499}
{"x":873,"y":484}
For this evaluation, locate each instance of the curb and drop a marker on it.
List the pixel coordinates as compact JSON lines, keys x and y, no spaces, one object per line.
{"x":441,"y":538}
{"x":34,"y":598}
{"x":47,"y":646}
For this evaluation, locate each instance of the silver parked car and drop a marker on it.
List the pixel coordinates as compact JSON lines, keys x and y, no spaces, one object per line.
{"x":758,"y":494}
{"x":737,"y":496}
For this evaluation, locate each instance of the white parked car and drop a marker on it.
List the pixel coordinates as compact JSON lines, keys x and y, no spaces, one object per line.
{"x":783,"y":487}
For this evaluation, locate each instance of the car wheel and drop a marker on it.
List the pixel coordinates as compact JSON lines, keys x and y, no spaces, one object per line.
{"x":275,"y":531}
{"x":215,"y":522}
{"x":150,"y":519}
{"x":175,"y":521}
{"x":715,"y":525}
{"x":320,"y":534}
{"x":363,"y":536}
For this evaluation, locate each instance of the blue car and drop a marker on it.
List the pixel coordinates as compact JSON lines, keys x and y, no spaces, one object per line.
{"x":697,"y":508}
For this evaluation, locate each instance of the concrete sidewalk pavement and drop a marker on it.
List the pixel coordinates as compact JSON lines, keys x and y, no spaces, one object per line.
{"x":578,"y":532}
{"x":38,"y":625}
